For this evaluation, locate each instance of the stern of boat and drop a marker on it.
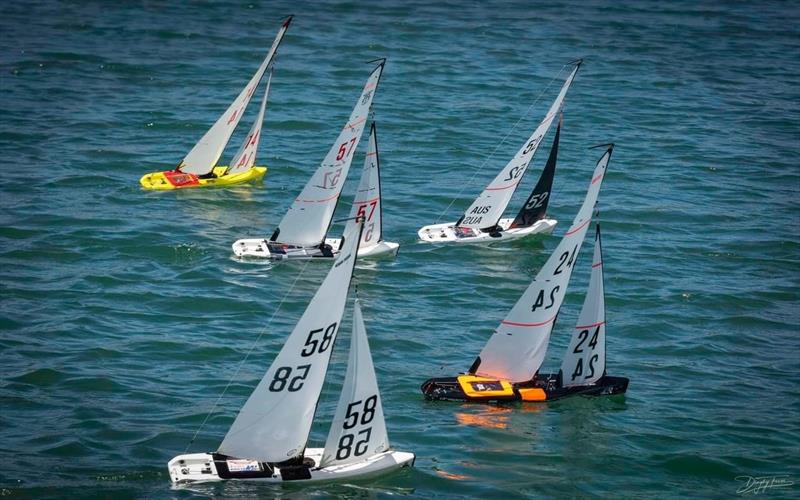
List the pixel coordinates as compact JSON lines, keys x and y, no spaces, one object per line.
{"x":437,"y":233}
{"x":470,"y":388}
{"x":192,"y":467}
{"x":383,"y":248}
{"x":252,"y":247}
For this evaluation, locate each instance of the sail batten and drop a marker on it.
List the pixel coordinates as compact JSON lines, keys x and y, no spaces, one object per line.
{"x":308,"y":219}
{"x":202,"y":158}
{"x":274,"y":423}
{"x":517,"y":348}
{"x":488,"y":208}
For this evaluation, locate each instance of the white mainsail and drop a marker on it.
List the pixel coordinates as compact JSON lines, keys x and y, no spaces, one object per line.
{"x":367,"y":201}
{"x":358,"y":430}
{"x":517,"y":347}
{"x":245,"y":157}
{"x":488,"y":208}
{"x":274,"y":423}
{"x":308,"y":219}
{"x":204,"y":155}
{"x":585,"y":361}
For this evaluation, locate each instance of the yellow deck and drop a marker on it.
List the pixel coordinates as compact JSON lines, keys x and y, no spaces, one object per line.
{"x":160,"y":181}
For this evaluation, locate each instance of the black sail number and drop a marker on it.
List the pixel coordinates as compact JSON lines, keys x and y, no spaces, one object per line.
{"x":579,"y":367}
{"x":358,"y":412}
{"x":317,"y":341}
{"x":581,"y":339}
{"x":567,"y":258}
{"x":367,"y":413}
{"x":532,"y":144}
{"x":282,"y":379}
{"x":514,"y":173}
{"x":583,"y":335}
{"x":346,"y":447}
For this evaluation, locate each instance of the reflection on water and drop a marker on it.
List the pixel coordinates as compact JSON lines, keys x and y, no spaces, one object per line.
{"x":449,"y":475}
{"x":492,"y":417}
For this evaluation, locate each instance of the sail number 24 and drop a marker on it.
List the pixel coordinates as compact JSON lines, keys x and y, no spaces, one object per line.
{"x":582,"y":336}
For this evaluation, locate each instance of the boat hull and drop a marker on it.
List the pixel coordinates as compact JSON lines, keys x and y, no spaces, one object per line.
{"x":542,"y":389}
{"x":206,"y":467}
{"x":261,"y":248}
{"x":449,"y":233}
{"x":170,"y":180}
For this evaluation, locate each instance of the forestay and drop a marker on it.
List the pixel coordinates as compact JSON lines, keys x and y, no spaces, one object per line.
{"x":204,"y":155}
{"x":367,"y":201}
{"x":308,"y":219}
{"x":488,"y":208}
{"x":274,"y":423}
{"x":245,"y":157}
{"x":585,"y":361}
{"x":358,"y":430}
{"x":516,"y":349}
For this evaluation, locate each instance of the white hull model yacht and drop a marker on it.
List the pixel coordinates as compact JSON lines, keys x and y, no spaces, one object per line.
{"x":302,"y":233}
{"x":268,"y":440}
{"x":507,"y":369}
{"x":483,"y":221}
{"x":367,"y":203}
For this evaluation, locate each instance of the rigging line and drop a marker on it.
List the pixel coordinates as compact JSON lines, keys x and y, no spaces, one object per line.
{"x":241,"y":363}
{"x":502,"y":141}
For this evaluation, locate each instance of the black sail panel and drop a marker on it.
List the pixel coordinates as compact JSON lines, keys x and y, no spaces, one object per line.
{"x":535,"y":207}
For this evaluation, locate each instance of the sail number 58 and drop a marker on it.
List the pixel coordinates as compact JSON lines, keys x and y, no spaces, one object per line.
{"x":316,"y":343}
{"x":367,"y":413}
{"x":282,"y":375}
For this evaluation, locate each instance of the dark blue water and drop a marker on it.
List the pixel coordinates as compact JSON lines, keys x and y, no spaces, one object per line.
{"x":123,"y":315}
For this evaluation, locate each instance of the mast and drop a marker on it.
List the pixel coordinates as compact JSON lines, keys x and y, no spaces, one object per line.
{"x":202,"y":158}
{"x":535,"y":207}
{"x":486,"y":211}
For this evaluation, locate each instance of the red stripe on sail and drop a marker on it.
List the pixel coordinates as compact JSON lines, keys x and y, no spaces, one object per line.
{"x":317,"y":201}
{"x":586,"y":327}
{"x":597,"y":264}
{"x":501,"y":188}
{"x":369,"y":201}
{"x":352,"y":125}
{"x":511,"y":323}
{"x":597,"y":178}
{"x":578,"y":228}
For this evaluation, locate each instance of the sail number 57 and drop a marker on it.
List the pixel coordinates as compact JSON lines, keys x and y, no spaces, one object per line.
{"x":346,"y":148}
